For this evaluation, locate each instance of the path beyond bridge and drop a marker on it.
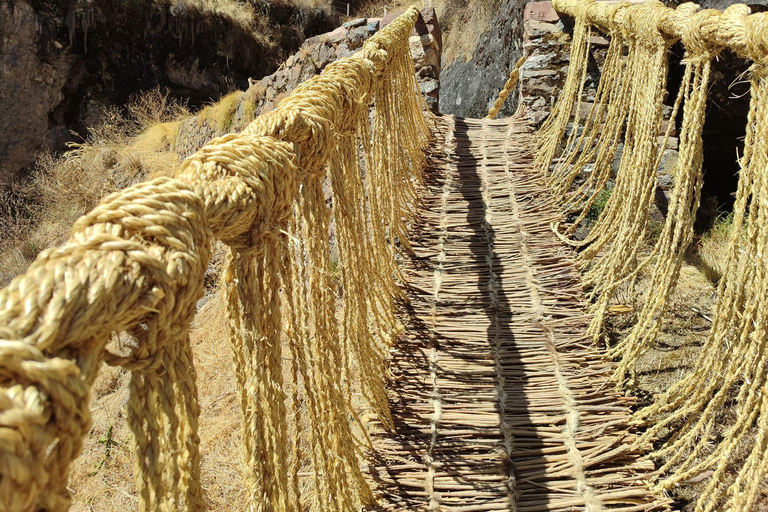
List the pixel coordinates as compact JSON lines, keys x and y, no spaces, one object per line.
{"x":500,"y":403}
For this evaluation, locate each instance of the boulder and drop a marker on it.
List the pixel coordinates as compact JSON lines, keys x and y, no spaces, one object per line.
{"x":355,"y":23}
{"x":356,"y":37}
{"x":424,"y":52}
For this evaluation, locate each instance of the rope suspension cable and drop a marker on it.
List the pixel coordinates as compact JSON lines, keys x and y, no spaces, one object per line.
{"x":734,"y":355}
{"x":509,"y":86}
{"x":137,"y":262}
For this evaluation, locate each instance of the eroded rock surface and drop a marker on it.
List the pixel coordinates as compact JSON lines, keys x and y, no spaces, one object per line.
{"x":470,"y":88}
{"x":31,"y":82}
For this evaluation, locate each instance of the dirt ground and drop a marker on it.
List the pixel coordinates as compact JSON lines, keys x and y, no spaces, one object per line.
{"x":686,"y":327}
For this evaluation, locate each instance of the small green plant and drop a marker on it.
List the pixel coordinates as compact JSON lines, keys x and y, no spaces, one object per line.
{"x":599,"y":205}
{"x":712,"y":251}
{"x":654,"y":230}
{"x":108,"y":442}
{"x":723,"y":224}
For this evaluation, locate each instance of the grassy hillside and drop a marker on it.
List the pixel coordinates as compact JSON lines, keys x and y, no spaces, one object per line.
{"x":127,"y":147}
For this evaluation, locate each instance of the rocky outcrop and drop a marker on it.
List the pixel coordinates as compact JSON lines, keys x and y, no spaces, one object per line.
{"x":470,"y":88}
{"x":313,"y":56}
{"x":32,"y":77}
{"x":63,"y":62}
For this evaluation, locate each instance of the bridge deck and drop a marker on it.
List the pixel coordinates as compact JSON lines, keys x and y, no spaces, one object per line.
{"x":499,"y":403}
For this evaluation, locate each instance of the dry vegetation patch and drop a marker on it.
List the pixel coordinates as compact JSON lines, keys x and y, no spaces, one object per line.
{"x":687,"y":323}
{"x":128,"y":147}
{"x":463,"y":22}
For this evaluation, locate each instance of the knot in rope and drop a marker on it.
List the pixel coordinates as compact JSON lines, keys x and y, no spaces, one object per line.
{"x":304,"y":121}
{"x":606,"y":16}
{"x":51,"y":393}
{"x":355,"y":87}
{"x":756,"y":27}
{"x":698,"y":35}
{"x":373,"y":52}
{"x":248,"y":183}
{"x":643,"y":22}
{"x":581,"y":8}
{"x":672,"y":22}
{"x":732,"y":30}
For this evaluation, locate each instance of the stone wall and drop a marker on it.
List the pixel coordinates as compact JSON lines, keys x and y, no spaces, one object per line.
{"x":547,"y":41}
{"x":313,"y":56}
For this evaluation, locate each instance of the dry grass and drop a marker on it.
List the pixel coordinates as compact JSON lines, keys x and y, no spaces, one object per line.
{"x":711,"y":249}
{"x":222,"y":113}
{"x":687,"y":322}
{"x":463,"y":22}
{"x":102,"y":478}
{"x":375,"y":8}
{"x":123,"y":150}
{"x":241,"y":13}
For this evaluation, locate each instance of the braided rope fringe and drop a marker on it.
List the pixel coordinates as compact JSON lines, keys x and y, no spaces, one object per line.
{"x":137,"y":263}
{"x":734,"y":360}
{"x":552,"y":131}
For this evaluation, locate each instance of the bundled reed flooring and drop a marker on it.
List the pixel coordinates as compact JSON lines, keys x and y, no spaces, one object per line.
{"x":499,"y":403}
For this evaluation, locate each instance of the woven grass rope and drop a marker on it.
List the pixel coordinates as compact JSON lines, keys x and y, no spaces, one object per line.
{"x":509,"y":86}
{"x":734,"y":360}
{"x":137,"y":263}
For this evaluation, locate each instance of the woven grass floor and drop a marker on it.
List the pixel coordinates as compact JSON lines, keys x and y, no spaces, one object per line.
{"x":500,"y":404}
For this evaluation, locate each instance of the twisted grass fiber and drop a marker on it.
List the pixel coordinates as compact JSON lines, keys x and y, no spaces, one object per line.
{"x":509,"y":86}
{"x":137,"y":263}
{"x":735,"y":356}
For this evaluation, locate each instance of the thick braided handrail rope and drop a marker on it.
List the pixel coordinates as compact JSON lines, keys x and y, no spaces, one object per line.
{"x":509,"y":86}
{"x":735,"y":356}
{"x":733,"y":31}
{"x":735,"y":351}
{"x":137,"y":263}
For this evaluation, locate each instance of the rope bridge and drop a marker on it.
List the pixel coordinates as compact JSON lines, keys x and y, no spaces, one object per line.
{"x":491,"y":400}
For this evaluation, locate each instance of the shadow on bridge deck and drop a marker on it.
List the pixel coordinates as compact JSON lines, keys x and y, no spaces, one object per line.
{"x":497,"y":403}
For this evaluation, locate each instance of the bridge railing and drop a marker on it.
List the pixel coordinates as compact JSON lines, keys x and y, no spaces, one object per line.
{"x":137,"y":263}
{"x":628,"y":107}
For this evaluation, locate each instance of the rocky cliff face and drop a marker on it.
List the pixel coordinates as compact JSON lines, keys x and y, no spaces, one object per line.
{"x":470,"y":88}
{"x":32,"y":78}
{"x":62,"y":62}
{"x":313,"y":56}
